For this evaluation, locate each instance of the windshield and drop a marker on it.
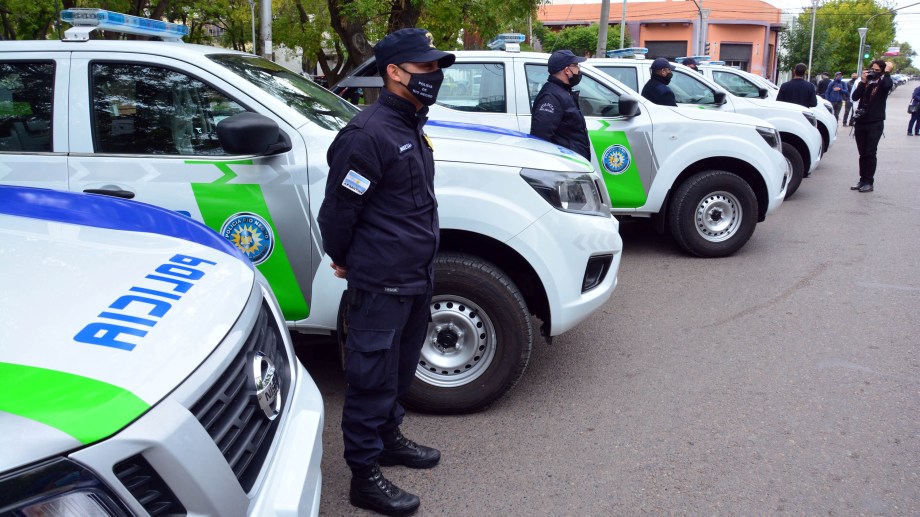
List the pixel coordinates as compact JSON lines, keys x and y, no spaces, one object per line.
{"x":316,"y":103}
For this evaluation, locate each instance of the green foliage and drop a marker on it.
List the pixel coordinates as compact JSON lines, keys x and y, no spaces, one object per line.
{"x":450,"y":20}
{"x":836,"y":40}
{"x":580,"y":40}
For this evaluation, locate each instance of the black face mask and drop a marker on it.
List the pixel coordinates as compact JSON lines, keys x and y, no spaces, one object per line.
{"x":425,"y":87}
{"x":575,"y":79}
{"x":666,"y":79}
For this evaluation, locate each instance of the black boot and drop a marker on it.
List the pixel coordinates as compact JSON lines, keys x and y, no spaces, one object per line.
{"x":371,"y":491}
{"x":858,"y":185}
{"x":399,"y":450}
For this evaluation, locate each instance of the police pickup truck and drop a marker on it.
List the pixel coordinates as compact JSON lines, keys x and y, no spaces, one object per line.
{"x":801,"y":141}
{"x":240,"y":143}
{"x":145,"y":368}
{"x":707,"y":176}
{"x":745,"y":84}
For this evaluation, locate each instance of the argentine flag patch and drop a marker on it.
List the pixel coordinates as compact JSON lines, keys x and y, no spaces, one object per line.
{"x":356,"y":183}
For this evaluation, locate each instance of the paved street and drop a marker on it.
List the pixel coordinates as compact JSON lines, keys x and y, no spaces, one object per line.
{"x":784,"y":380}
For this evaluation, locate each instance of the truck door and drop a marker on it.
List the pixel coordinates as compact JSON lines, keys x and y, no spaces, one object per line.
{"x":150,"y":130}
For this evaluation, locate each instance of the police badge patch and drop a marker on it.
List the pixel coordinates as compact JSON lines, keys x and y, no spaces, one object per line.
{"x":616,"y":159}
{"x":250,"y":234}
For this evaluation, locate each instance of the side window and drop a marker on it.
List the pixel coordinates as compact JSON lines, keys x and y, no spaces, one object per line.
{"x":736,"y":84}
{"x":144,"y":109}
{"x":26,"y":101}
{"x":476,"y":87}
{"x":689,"y":90}
{"x":625,"y":74}
{"x":594,"y":99}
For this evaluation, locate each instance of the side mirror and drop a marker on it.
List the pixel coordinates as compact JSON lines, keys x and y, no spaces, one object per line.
{"x":251,"y":133}
{"x":629,"y":106}
{"x":762,"y":93}
{"x":718,"y":98}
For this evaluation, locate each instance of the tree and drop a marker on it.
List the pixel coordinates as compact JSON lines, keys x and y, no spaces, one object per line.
{"x":836,"y":40}
{"x":580,"y":40}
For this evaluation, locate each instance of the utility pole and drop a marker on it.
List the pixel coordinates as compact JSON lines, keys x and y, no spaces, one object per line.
{"x":252,"y":18}
{"x":623,"y":27}
{"x":811,"y":46}
{"x":267,"y":29}
{"x":602,"y":29}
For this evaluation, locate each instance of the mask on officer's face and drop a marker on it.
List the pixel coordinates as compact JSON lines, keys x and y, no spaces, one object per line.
{"x":667,"y":78}
{"x":425,"y":87}
{"x":575,"y":79}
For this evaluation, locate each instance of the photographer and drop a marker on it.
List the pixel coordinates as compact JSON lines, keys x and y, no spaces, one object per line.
{"x":869,"y":119}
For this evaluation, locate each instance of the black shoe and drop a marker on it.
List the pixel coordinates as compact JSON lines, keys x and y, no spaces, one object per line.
{"x":399,"y":450}
{"x":371,"y":491}
{"x":858,"y":185}
{"x":867,"y":187}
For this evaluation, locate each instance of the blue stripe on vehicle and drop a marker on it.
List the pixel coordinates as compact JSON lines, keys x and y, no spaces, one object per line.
{"x":111,"y":213}
{"x":478,"y":127}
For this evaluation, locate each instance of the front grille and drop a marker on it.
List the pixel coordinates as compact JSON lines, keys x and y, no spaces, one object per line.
{"x":148,"y":487}
{"x":230,"y":412}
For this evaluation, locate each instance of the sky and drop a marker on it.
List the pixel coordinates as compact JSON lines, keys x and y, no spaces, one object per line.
{"x":908,"y":19}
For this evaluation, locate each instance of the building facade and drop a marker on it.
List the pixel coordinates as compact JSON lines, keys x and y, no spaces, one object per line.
{"x":743,"y":33}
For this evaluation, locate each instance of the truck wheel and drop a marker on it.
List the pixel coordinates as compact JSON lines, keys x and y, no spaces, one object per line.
{"x":713,"y":214}
{"x":798,"y":168}
{"x":478,"y":341}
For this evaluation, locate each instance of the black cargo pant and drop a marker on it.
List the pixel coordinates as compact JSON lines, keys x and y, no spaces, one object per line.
{"x":385,"y":337}
{"x":867,"y":136}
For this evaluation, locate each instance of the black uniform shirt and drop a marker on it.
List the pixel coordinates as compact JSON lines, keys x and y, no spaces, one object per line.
{"x":379,"y":218}
{"x":873,"y":98}
{"x":798,"y":91}
{"x":656,"y":91}
{"x":555,"y":117}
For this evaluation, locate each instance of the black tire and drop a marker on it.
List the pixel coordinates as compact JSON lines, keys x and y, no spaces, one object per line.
{"x":713,"y":214}
{"x":798,"y":168}
{"x":478,"y":342}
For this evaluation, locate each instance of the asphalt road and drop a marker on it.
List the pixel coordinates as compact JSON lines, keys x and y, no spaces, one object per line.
{"x":784,"y":380}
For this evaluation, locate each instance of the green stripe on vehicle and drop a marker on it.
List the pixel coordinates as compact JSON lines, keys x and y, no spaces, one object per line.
{"x":622,"y":178}
{"x":87,"y":409}
{"x":219,"y":201}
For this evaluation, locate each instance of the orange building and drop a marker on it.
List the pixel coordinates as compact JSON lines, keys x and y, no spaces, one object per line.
{"x":742,"y":33}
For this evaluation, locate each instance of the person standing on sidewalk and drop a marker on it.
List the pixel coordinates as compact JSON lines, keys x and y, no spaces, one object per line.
{"x":836,"y":93}
{"x":872,"y":93}
{"x":849,"y":100}
{"x":798,"y":90}
{"x":379,"y":223}
{"x":915,"y":116}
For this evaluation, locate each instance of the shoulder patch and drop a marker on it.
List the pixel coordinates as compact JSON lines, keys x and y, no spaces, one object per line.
{"x":356,"y":183}
{"x":547,"y":107}
{"x":406,"y":147}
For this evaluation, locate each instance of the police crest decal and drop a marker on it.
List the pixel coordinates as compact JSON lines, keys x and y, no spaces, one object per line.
{"x":616,"y":159}
{"x":250,"y":234}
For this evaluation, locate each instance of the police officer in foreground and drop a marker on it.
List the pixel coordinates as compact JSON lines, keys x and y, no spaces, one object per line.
{"x":555,"y":115}
{"x":379,"y":223}
{"x":656,"y":89}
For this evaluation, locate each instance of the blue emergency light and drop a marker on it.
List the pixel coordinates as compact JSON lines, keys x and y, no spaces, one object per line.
{"x":637,"y":52}
{"x":507,"y":41}
{"x":85,"y":21}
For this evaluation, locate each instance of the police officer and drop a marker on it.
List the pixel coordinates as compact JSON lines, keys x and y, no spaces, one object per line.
{"x":379,"y":224}
{"x":656,"y":89}
{"x":555,"y":115}
{"x":691,"y":63}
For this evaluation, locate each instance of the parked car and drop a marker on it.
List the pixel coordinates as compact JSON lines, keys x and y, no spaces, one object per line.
{"x":145,"y":368}
{"x":801,"y":141}
{"x":706,"y":176}
{"x":240,"y":143}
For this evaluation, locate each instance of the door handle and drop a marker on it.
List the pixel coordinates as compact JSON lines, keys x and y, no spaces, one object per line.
{"x":125,"y":194}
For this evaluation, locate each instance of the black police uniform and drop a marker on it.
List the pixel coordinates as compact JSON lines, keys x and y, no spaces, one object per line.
{"x":656,"y":91}
{"x":798,"y":91}
{"x":557,"y":118}
{"x":379,"y":220}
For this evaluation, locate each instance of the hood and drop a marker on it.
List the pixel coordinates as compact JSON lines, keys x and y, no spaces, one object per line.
{"x":708,"y":115}
{"x":475,"y":143}
{"x":107,"y":305}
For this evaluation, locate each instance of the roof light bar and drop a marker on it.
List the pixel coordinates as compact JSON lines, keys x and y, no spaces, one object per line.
{"x":637,"y":52}
{"x":698,"y":59}
{"x":507,"y":40}
{"x":85,"y":21}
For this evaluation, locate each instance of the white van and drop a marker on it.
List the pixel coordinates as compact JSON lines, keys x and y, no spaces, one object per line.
{"x":145,"y":368}
{"x":525,"y":227}
{"x":802,"y":144}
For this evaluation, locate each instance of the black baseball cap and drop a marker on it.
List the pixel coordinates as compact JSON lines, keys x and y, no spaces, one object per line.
{"x":561,"y":59}
{"x":409,"y":46}
{"x":688,"y":61}
{"x":661,"y":63}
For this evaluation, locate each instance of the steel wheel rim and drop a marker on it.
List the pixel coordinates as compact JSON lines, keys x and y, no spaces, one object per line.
{"x":459,"y":345}
{"x":718,"y":216}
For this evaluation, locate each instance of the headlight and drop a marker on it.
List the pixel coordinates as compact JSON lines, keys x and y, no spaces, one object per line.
{"x":567,"y":191}
{"x":771,"y":136}
{"x":57,"y":488}
{"x":811,"y":118}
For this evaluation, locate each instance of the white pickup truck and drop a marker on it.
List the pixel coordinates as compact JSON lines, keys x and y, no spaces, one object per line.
{"x":802,"y":143}
{"x":705,"y":175}
{"x":525,"y":228}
